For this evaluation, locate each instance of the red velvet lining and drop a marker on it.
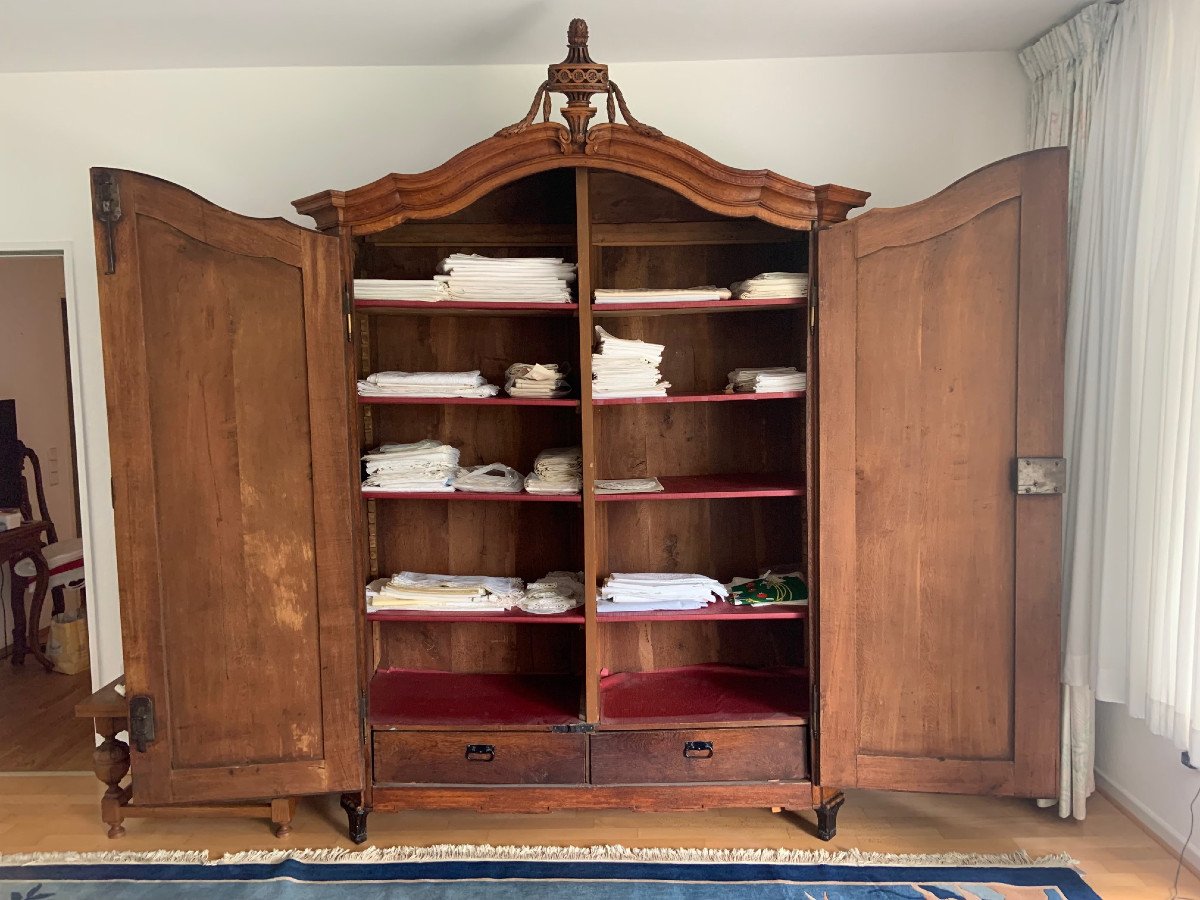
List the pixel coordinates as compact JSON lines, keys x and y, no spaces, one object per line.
{"x":423,"y":697}
{"x":704,"y":693}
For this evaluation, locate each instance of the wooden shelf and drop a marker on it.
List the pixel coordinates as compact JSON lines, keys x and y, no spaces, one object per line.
{"x":408,"y":697}
{"x":463,"y":308}
{"x":509,"y":617}
{"x":714,"y":487}
{"x":722,"y":611}
{"x":606,"y":310}
{"x":465,"y":401}
{"x":471,"y":495}
{"x":721,"y":397}
{"x":705,"y":694}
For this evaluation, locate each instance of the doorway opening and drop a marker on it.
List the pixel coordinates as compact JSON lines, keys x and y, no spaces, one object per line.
{"x":44,"y":657}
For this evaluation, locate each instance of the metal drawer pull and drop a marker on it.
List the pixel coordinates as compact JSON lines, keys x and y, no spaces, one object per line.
{"x":698,"y":750}
{"x":480,"y":752}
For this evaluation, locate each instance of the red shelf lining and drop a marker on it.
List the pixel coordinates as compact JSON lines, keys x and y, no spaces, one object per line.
{"x":401,"y":697}
{"x":462,"y":306}
{"x":509,"y":617}
{"x":603,"y":309}
{"x":466,"y":401}
{"x":721,"y":611}
{"x":695,"y":398}
{"x":714,"y":487}
{"x":470,"y":495}
{"x":704,"y":693}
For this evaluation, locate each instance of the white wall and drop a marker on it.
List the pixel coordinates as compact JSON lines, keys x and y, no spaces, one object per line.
{"x":33,"y":372}
{"x":1142,"y":772}
{"x":255,"y":139}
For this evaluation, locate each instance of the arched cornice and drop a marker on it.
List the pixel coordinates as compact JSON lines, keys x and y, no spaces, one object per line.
{"x":494,"y":162}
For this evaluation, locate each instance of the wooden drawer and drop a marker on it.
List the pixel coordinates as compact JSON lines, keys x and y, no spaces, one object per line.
{"x":464,"y":757}
{"x":712,"y":754}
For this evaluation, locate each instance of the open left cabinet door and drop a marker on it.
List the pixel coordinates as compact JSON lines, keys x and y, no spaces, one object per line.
{"x":940,"y":365}
{"x":225,"y":359}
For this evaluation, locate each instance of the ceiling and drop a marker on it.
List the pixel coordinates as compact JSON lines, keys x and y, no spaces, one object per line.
{"x":72,"y":35}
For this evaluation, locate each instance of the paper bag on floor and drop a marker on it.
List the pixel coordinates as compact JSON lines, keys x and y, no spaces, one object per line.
{"x":68,"y":644}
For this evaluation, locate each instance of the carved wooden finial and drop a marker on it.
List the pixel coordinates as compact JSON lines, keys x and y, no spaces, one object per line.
{"x":578,"y":77}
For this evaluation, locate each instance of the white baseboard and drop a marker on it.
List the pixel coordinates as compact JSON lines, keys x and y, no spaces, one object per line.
{"x":1151,"y":821}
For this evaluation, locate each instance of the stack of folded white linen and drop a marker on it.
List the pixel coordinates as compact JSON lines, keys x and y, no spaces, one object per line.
{"x":420,"y":591}
{"x":654,"y":591}
{"x":510,"y":279}
{"x":558,"y":470}
{"x":426,"y":384}
{"x":494,"y":478}
{"x":661,"y":295}
{"x":624,"y":368}
{"x":628,"y":485}
{"x":766,"y":380}
{"x":543,"y":380}
{"x":427,"y":290}
{"x":772,"y":286}
{"x":554,"y":592}
{"x":422,"y":466}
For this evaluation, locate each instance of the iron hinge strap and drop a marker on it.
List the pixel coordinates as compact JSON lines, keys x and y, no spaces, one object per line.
{"x":348,"y":310}
{"x":106,"y":205}
{"x":1040,"y":475}
{"x":581,"y":728}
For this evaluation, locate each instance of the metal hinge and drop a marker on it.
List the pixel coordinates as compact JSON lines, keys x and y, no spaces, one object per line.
{"x":349,"y":312}
{"x":362,"y":706}
{"x":581,"y":728}
{"x":106,"y":206}
{"x":1041,"y":475}
{"x":141,"y":722}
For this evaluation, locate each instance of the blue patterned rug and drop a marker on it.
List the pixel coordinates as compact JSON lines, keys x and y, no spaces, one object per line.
{"x":537,"y":873}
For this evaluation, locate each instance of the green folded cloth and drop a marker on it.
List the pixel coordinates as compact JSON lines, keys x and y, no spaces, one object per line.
{"x":769,"y":589}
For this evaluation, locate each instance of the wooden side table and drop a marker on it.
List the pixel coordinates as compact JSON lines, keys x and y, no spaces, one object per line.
{"x":16,"y":544}
{"x":110,"y":712}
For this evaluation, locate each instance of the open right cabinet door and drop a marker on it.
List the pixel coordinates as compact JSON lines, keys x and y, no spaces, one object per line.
{"x":939,"y":366}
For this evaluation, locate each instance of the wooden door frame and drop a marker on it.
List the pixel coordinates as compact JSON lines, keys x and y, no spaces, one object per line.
{"x":104,"y":633}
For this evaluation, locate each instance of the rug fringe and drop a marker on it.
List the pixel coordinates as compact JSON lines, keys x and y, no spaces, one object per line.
{"x":607,"y":853}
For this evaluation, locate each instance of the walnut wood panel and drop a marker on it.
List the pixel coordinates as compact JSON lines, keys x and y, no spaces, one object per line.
{"x":784,"y":794}
{"x":930,"y":598}
{"x":643,"y":439}
{"x":481,"y":647}
{"x":649,"y":645}
{"x":226,"y":371}
{"x":458,"y":757}
{"x":733,"y":754}
{"x":497,"y":161}
{"x":462,"y":537}
{"x":688,"y":265}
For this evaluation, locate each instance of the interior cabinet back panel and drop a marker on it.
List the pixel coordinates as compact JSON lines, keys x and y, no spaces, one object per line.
{"x":227,"y":382}
{"x":471,"y":647}
{"x":646,"y":646}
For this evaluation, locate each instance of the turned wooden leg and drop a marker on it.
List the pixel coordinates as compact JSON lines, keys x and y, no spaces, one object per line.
{"x":282,"y":811}
{"x":41,"y":584}
{"x":110,"y":761}
{"x":16,"y":601}
{"x":827,"y":802}
{"x":356,"y":814}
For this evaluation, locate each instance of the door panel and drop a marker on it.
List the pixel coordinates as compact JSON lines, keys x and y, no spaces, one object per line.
{"x":226,"y":373}
{"x":940,"y":363}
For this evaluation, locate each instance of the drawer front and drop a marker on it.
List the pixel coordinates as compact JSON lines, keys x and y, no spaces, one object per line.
{"x":463,"y":757}
{"x":713,"y":754}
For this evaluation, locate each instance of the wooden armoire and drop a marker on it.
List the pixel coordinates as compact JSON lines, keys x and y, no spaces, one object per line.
{"x":915,"y":481}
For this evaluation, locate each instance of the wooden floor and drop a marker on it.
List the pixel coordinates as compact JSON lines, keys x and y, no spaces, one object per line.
{"x":60,"y":812}
{"x":38,"y":728}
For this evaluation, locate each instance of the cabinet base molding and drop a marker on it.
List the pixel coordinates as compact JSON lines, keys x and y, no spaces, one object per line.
{"x":790,"y":795}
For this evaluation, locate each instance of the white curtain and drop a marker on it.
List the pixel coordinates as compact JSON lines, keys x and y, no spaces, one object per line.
{"x":1132,"y":524}
{"x":1065,"y":67}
